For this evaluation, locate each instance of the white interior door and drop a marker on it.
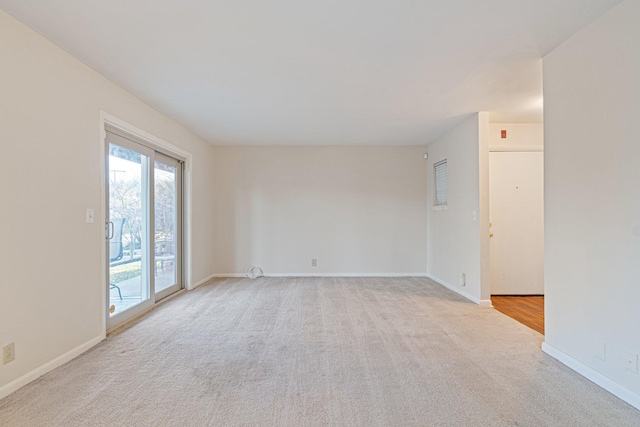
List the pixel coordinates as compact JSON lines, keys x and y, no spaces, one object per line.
{"x":517,"y":223}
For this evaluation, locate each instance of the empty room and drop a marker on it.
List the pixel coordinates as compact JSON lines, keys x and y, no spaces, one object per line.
{"x":356,"y":213}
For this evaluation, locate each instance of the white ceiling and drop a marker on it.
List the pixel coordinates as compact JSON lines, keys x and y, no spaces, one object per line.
{"x":323,"y":72}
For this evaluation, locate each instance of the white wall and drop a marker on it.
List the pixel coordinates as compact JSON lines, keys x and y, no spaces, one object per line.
{"x":520,"y":137}
{"x":457,"y":243}
{"x":592,"y":203}
{"x":51,"y":265}
{"x":357,"y":210}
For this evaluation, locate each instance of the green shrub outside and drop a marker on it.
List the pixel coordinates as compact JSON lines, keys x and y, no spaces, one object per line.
{"x":123,"y":272}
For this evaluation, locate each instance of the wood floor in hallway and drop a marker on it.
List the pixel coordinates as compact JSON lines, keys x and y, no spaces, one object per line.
{"x":528,"y":309}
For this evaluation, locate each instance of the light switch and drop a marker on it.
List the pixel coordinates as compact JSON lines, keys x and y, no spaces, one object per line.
{"x":474,"y":215}
{"x":89,"y":217}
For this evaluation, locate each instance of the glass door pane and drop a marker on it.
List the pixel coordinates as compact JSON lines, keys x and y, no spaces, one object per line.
{"x":167,"y":230}
{"x":127,"y":228}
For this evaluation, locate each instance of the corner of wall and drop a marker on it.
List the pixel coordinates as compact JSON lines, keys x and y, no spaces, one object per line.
{"x":454,"y":234}
{"x":483,"y":181}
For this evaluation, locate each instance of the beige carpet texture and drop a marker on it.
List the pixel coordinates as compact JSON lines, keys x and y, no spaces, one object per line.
{"x":317,"y":352}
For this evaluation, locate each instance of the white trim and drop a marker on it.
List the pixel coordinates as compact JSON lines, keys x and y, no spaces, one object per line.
{"x":121,"y":124}
{"x":325,"y":275}
{"x":49,"y":366}
{"x":482,"y":303}
{"x":227,"y":275}
{"x":345,"y":275}
{"x":101,"y":216}
{"x":202,"y":282}
{"x":516,"y":148}
{"x":593,"y":375}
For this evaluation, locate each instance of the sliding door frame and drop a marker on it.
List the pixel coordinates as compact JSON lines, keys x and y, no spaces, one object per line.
{"x":120,"y":127}
{"x":147,"y":243}
{"x":179,"y":165}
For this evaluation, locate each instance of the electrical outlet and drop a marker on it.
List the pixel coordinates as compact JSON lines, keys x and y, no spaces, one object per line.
{"x":314,"y":262}
{"x":8,"y":353}
{"x":463,"y":279}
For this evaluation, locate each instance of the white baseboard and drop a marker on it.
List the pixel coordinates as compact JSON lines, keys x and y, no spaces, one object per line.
{"x":345,"y":275}
{"x":49,"y":366}
{"x":593,"y":375}
{"x":228,"y":275}
{"x":482,"y":303}
{"x":328,"y":275}
{"x":202,"y":282}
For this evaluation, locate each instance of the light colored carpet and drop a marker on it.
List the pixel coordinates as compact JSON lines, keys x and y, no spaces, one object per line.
{"x":317,"y":351}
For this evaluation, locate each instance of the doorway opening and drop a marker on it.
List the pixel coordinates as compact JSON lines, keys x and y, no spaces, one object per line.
{"x":516,"y":212}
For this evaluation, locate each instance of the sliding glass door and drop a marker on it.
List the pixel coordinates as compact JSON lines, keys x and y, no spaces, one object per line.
{"x":144,"y":226}
{"x":168,"y":218}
